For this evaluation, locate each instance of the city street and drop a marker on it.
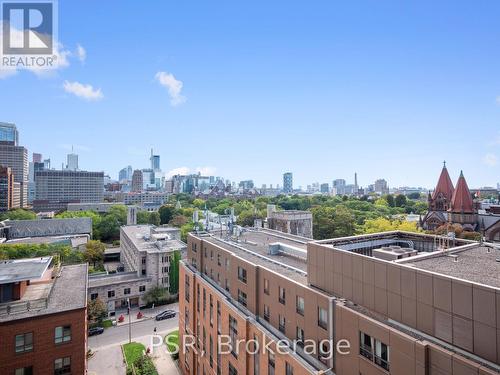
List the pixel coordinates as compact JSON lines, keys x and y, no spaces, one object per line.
{"x":108,"y":359}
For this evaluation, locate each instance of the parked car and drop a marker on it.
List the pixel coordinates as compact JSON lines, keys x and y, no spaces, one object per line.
{"x":96,"y":331}
{"x":165,"y":315}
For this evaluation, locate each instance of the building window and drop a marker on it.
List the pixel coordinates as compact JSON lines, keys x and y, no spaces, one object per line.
{"x":227,"y":263}
{"x":300,"y":305}
{"x":282,"y":295}
{"x":218,"y":260}
{"x":282,"y":322}
{"x":142,"y":288}
{"x":211,"y":348}
{"x":322,"y":317}
{"x":242,"y":297}
{"x":266,"y":286}
{"x":242,"y":275}
{"x":300,"y":336}
{"x":198,"y":298}
{"x":211,"y":311}
{"x":143,"y":272}
{"x":211,"y":255}
{"x":94,"y":296}
{"x":24,"y":342}
{"x":143,"y":260}
{"x":218,"y":318}
{"x":204,"y":302}
{"x":227,"y":285}
{"x":126,"y":291}
{"x":193,"y":247}
{"x":62,"y":334}
{"x":186,"y":288}
{"x":233,"y":335}
{"x":24,"y":371}
{"x":374,"y":350}
{"x":266,"y":313}
{"x":62,"y":366}
{"x":232,"y":370}
{"x":111,"y":293}
{"x":288,"y":369}
{"x":271,"y":363}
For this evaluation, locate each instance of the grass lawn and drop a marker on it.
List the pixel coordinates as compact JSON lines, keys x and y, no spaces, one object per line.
{"x":133,"y":351}
{"x":171,"y":339}
{"x":107,"y":323}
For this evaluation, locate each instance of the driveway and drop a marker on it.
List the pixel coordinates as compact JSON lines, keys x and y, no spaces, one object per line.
{"x":107,"y":361}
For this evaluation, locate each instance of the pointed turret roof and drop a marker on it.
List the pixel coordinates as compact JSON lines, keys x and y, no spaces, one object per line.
{"x":444,"y":185}
{"x":462,"y":200}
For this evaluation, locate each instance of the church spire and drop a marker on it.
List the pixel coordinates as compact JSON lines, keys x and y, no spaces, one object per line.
{"x":444,"y":186}
{"x":462,"y":199}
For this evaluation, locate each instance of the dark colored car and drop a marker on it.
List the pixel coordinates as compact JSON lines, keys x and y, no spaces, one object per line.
{"x":165,"y":315}
{"x":96,"y":331}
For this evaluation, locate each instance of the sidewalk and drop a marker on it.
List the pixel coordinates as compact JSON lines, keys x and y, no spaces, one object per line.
{"x":164,"y":363}
{"x":147,"y":313}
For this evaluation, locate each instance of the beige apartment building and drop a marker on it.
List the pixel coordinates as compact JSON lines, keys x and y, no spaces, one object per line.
{"x":406,"y":303}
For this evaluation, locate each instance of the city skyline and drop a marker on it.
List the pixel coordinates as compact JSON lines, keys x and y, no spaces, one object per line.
{"x":340,"y":98}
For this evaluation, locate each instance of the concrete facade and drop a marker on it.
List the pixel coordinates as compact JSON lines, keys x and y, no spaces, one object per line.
{"x":295,"y":222}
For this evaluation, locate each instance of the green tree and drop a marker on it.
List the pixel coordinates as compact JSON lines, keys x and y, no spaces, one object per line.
{"x":18,"y":214}
{"x":173,"y":275}
{"x":166,"y":212}
{"x":96,"y":310}
{"x":154,"y":218}
{"x":400,"y":200}
{"x":390,"y":200}
{"x":156,"y":295}
{"x":332,"y":222}
{"x":94,"y":252}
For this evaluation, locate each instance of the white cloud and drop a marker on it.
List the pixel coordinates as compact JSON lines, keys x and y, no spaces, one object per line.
{"x":83,"y":91}
{"x":206,"y":171}
{"x":6,"y":73}
{"x":173,"y":85}
{"x":490,"y":160}
{"x":81,"y":53}
{"x":181,"y":171}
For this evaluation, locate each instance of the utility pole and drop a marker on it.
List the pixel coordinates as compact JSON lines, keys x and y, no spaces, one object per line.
{"x":129,"y":324}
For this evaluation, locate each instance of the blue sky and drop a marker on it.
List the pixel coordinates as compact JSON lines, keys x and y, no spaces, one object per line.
{"x":253,"y":89}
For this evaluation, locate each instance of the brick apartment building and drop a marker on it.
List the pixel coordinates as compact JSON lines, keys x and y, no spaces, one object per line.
{"x":43,"y":317}
{"x":409,"y":304}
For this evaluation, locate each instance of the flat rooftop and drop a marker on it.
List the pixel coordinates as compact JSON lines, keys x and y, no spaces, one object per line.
{"x":253,"y":245}
{"x":66,"y":292}
{"x":115,"y":278}
{"x":141,"y":237}
{"x":15,"y":270}
{"x":479,"y":264}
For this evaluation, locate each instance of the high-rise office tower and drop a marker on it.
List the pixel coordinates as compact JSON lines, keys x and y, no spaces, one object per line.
{"x":125,"y":174}
{"x":137,"y":180}
{"x":6,"y":188}
{"x":155,"y":161}
{"x":9,"y":133}
{"x":37,"y":158}
{"x":56,"y":188}
{"x":288,"y":182}
{"x":72,"y":162}
{"x":15,"y":157}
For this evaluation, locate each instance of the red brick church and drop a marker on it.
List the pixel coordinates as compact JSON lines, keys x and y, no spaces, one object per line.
{"x":456,"y":205}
